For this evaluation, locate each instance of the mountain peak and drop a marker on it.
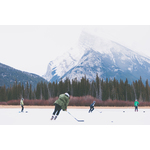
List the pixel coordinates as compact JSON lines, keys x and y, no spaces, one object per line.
{"x":93,"y":54}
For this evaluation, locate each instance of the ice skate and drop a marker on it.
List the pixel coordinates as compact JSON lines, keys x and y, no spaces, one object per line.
{"x":55,"y":118}
{"x":52,"y":117}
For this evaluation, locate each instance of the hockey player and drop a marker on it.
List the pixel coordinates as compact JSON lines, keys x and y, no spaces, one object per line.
{"x":92,"y":107}
{"x":61,"y":103}
{"x":22,"y":104}
{"x":136,"y":103}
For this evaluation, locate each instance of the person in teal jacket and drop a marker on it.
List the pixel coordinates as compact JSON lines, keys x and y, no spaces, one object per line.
{"x":22,"y":104}
{"x":136,"y":103}
{"x":61,"y":103}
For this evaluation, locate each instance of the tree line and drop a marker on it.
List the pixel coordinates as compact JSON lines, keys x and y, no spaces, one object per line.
{"x":98,"y":88}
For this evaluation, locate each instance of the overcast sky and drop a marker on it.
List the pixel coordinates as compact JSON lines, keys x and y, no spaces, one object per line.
{"x":50,"y":28}
{"x":31,"y":48}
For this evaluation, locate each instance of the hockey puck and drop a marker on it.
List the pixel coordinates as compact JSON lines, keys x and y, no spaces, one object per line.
{"x":112,"y":121}
{"x":143,"y":111}
{"x":123,"y":111}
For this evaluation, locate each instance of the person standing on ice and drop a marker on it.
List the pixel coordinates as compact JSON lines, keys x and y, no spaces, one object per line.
{"x":92,"y":107}
{"x":61,"y":103}
{"x":22,"y":104}
{"x":136,"y":103}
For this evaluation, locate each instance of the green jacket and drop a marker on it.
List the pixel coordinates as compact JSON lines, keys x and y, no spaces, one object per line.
{"x":21,"y":102}
{"x":63,"y":101}
{"x":136,"y":103}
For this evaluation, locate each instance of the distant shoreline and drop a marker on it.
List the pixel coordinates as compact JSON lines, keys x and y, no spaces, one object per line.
{"x":74,"y":107}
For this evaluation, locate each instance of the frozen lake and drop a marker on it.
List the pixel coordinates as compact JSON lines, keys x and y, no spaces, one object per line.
{"x":117,"y":129}
{"x":36,"y":116}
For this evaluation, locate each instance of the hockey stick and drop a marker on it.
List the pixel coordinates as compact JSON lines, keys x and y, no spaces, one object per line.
{"x":99,"y":111}
{"x":23,"y":111}
{"x":75,"y":118}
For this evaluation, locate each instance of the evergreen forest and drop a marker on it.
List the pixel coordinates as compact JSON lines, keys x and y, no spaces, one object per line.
{"x":98,"y":88}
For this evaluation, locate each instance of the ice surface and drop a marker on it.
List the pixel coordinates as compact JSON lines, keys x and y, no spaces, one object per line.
{"x":11,"y":116}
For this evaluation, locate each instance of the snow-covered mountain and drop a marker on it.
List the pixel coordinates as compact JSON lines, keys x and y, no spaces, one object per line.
{"x":9,"y":75}
{"x":93,"y":54}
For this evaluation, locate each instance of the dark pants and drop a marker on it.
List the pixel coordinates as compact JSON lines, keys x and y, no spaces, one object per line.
{"x":22,"y":108}
{"x":136,"y":108}
{"x":91,"y":109}
{"x":57,"y":110}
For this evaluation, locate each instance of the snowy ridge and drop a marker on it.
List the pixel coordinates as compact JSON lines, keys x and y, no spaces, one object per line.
{"x":93,"y":54}
{"x":9,"y":75}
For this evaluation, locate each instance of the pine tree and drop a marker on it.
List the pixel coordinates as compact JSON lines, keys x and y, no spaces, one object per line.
{"x":3,"y":96}
{"x":45,"y":91}
{"x":126,"y":89}
{"x":19,"y":91}
{"x":133,"y":85}
{"x":23,"y":91}
{"x":27,"y":91}
{"x":100,"y":90}
{"x":30,"y":92}
{"x":38,"y":91}
{"x":147,"y":91}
